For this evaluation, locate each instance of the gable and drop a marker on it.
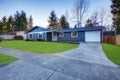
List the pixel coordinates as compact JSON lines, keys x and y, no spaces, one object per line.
{"x":38,"y":29}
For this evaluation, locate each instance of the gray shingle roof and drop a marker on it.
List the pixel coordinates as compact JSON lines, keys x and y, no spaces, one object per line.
{"x":82,"y":29}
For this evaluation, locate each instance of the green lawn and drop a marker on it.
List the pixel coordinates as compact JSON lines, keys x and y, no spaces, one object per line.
{"x":113,"y":53}
{"x":4,"y":59}
{"x":39,"y":47}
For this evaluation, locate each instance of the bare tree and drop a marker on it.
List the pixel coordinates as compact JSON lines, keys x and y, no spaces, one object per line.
{"x":101,"y":17}
{"x":79,"y":10}
{"x":95,"y":17}
{"x":105,"y":16}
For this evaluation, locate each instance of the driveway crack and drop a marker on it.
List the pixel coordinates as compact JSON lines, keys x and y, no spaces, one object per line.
{"x":52,"y":74}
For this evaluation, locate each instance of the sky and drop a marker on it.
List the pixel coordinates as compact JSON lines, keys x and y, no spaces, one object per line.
{"x":40,"y":9}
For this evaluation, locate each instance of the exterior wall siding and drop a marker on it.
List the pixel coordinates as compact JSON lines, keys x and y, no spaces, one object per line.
{"x":35,"y":36}
{"x":44,"y":36}
{"x":36,"y":30}
{"x":7,"y":37}
{"x":67,"y":37}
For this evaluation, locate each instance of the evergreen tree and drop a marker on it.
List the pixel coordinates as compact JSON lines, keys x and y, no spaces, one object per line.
{"x":24,"y":21}
{"x":1,"y":27}
{"x":53,"y":22}
{"x":17,"y":24}
{"x":21,"y":22}
{"x":10,"y":24}
{"x":4,"y":24}
{"x":30,"y":23}
{"x":116,"y":14}
{"x":63,"y":23}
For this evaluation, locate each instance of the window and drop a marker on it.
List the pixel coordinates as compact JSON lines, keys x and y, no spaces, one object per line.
{"x":61,"y":34}
{"x":74,"y":34}
{"x":30,"y":36}
{"x":40,"y":36}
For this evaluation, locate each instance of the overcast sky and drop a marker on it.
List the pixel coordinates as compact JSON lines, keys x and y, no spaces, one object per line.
{"x":40,"y":9}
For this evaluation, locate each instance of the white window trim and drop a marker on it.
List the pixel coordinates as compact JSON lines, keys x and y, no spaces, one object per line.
{"x":61,"y":35}
{"x":74,"y":36}
{"x":41,"y":34}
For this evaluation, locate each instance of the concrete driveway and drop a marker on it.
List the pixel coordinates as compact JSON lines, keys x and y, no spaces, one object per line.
{"x":87,"y":62}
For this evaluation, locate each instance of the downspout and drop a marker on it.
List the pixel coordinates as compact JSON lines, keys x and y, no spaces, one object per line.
{"x":101,"y":36}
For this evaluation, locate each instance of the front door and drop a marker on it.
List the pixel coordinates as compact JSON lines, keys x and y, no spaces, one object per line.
{"x":49,"y":36}
{"x":54,"y":36}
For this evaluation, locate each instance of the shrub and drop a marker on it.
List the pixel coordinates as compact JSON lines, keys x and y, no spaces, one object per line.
{"x":18,"y":38}
{"x":28,"y":40}
{"x":40,"y":40}
{"x":1,"y":39}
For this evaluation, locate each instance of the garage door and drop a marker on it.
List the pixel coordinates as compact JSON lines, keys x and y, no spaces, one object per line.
{"x":92,"y":36}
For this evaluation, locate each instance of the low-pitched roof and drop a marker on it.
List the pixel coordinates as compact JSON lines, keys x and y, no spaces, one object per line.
{"x":109,"y":33}
{"x":8,"y":33}
{"x":82,"y":29}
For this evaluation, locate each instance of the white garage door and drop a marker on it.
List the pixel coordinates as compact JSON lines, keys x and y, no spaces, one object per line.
{"x":92,"y":36}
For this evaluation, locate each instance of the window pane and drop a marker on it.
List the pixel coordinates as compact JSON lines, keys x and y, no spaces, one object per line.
{"x":74,"y":34}
{"x":30,"y":35}
{"x":61,"y":34}
{"x":40,"y":36}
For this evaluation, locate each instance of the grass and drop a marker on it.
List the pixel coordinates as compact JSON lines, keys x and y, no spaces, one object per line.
{"x":113,"y":53}
{"x":4,"y":59}
{"x":38,"y":47}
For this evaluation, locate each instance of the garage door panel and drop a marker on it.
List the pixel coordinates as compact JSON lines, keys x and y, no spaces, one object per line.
{"x":92,"y":36}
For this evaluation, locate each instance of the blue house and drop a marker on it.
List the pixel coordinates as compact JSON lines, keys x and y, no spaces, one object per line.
{"x":84,"y":34}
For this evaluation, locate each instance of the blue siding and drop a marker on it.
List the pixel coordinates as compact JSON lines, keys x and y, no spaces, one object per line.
{"x":44,"y":36}
{"x":35,"y":30}
{"x":35,"y":36}
{"x":67,"y":37}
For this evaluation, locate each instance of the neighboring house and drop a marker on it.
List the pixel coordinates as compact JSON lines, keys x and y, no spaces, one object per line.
{"x":10,"y":35}
{"x":84,"y":34}
{"x":7,"y":35}
{"x":21,"y":33}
